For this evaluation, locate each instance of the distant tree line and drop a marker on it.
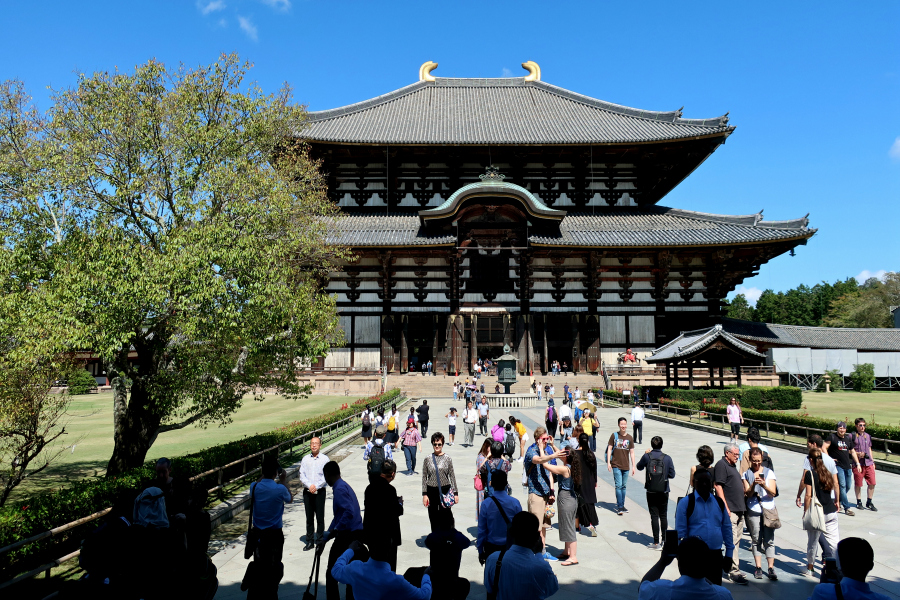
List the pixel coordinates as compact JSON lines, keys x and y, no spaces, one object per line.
{"x":841,"y":304}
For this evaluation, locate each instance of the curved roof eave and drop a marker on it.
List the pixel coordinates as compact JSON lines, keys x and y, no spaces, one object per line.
{"x":491,"y":188}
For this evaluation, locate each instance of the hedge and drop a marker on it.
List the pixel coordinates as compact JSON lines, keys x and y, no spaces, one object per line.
{"x":52,"y":509}
{"x":750,"y":397}
{"x":789,"y":419}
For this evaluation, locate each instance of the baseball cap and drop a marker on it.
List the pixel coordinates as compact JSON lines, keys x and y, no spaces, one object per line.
{"x":380,"y":430}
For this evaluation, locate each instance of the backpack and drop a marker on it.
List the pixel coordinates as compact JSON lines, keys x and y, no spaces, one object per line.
{"x":366,"y":421}
{"x":509,"y":444}
{"x":551,"y":414}
{"x":392,"y":423}
{"x":376,"y":459}
{"x":578,"y":413}
{"x":692,"y":501}
{"x":656,"y":475}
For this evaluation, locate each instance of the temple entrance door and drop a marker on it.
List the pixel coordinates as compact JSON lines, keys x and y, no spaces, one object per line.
{"x":387,"y":342}
{"x":420,"y":340}
{"x":591,"y":343}
{"x":560,"y":342}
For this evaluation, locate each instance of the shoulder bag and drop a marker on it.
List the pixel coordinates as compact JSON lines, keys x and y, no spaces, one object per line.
{"x":814,"y":518}
{"x":479,"y":485}
{"x":496,"y":583}
{"x":770,"y":516}
{"x":448,"y":499}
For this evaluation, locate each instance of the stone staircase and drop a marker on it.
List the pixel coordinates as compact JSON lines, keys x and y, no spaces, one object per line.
{"x":416,"y":385}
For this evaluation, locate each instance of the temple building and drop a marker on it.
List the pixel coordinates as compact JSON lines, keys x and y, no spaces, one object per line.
{"x":485,"y":212}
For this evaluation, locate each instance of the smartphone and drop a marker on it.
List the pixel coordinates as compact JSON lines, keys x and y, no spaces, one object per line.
{"x":670,"y":547}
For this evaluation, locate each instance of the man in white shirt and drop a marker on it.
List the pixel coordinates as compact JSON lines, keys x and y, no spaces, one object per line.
{"x":565,"y":410}
{"x":577,"y":394}
{"x":313,"y":480}
{"x":692,"y":585}
{"x":552,"y":391}
{"x":470,"y":417}
{"x":637,"y":423}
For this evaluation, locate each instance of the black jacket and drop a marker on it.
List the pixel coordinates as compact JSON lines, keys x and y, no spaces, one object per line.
{"x":381,"y":521}
{"x":422,"y":411}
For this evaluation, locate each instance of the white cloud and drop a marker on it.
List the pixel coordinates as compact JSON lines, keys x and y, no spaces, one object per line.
{"x":751,"y":293}
{"x":248,"y":27}
{"x":866,"y":274}
{"x":506,"y":73}
{"x":211,"y":6}
{"x":278,"y":4}
{"x":894,"y":152}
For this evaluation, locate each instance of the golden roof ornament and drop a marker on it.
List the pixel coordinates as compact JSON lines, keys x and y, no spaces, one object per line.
{"x":534,"y":71}
{"x":426,"y":69}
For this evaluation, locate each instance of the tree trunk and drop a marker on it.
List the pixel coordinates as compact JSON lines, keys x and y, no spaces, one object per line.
{"x":135,"y":431}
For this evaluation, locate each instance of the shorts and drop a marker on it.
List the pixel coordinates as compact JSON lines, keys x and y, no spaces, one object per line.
{"x":537,"y":505}
{"x":735,"y":428}
{"x":524,"y":438}
{"x":452,"y":429}
{"x":868,"y":474}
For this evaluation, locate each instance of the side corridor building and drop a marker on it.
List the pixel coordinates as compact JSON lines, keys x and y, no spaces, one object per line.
{"x":485,"y":212}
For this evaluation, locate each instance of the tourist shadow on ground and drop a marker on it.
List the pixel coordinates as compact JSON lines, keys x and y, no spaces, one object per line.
{"x":610,"y":506}
{"x":637,"y":538}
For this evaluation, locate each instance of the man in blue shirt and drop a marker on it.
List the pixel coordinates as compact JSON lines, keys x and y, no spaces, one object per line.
{"x":268,"y":498}
{"x":709,"y":521}
{"x":692,"y":585}
{"x":857,"y":559}
{"x":523,"y":575}
{"x":376,"y":577}
{"x":495,"y":517}
{"x":540,"y":482}
{"x":346,"y":527}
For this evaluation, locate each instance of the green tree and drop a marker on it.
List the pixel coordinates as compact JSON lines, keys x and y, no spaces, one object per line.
{"x":863,"y":378}
{"x":739,"y":308}
{"x":770,"y":307}
{"x":174,"y":213}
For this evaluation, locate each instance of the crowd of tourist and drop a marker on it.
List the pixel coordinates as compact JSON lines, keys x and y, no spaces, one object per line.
{"x":726,"y":496}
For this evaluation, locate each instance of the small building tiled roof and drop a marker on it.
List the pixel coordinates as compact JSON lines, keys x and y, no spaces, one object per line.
{"x":815,"y":337}
{"x":690,"y":343}
{"x":610,"y":227}
{"x":506,"y":110}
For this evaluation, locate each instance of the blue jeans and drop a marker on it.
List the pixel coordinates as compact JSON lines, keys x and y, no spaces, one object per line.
{"x":621,"y":477}
{"x":845,"y":480}
{"x":410,"y":453}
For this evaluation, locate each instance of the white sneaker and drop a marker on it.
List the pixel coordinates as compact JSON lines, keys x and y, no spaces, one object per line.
{"x":520,"y":459}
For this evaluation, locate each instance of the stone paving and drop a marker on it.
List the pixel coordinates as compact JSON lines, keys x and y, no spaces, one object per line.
{"x":612,"y":564}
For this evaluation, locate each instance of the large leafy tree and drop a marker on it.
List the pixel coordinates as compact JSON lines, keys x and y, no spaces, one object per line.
{"x":174,"y":214}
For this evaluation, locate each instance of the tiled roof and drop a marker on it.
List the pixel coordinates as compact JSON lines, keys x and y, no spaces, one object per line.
{"x":610,"y":227}
{"x":499,"y":111}
{"x":384,"y":230}
{"x":662,"y":226}
{"x":815,"y":337}
{"x":691,"y":342}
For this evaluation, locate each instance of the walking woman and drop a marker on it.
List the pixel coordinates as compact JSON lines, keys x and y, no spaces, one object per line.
{"x":760,"y":489}
{"x":587,"y":464}
{"x":589,"y":425}
{"x":568,"y":477}
{"x":483,"y":455}
{"x":451,"y":420}
{"x":735,"y":419}
{"x":439,"y":480}
{"x":820,"y":482}
{"x":410,"y":442}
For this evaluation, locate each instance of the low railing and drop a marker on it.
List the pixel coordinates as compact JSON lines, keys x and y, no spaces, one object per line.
{"x":338,"y":371}
{"x":769,"y":429}
{"x":329,"y":432}
{"x":700,"y":373}
{"x":512,"y":400}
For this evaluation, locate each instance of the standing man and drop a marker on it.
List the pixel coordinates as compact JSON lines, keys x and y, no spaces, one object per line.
{"x":865,"y":470}
{"x":566,"y":390}
{"x":381,"y":525}
{"x":346,"y":526}
{"x":495,"y":516}
{"x":619,"y":460}
{"x":841,"y":447}
{"x":269,"y":495}
{"x":660,"y":469}
{"x":470,"y":416}
{"x":313,"y":480}
{"x":484,"y":412}
{"x":422,"y":411}
{"x":730,"y":489}
{"x":637,"y":421}
{"x":522,"y":574}
{"x":551,"y":419}
{"x":540,"y":482}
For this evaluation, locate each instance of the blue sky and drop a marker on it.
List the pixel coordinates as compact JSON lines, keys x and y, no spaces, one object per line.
{"x":813,"y":88}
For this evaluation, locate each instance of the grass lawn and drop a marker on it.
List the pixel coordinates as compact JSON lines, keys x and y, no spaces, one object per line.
{"x":878,"y":407}
{"x":91,"y":430}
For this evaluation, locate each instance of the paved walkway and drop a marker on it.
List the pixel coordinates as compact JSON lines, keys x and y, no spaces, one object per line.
{"x":613,"y":563}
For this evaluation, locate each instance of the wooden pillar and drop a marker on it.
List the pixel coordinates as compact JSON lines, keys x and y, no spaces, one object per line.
{"x":546,"y":365}
{"x":434,"y":343}
{"x":739,"y":376}
{"x":712,"y":378}
{"x":404,"y":347}
{"x":675,"y":365}
{"x":668,"y":377}
{"x":721,"y":377}
{"x":473,"y":343}
{"x":690,"y":377}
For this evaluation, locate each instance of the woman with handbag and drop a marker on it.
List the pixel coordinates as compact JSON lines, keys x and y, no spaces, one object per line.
{"x":483,"y":455}
{"x":820,"y":519}
{"x":439,"y":490}
{"x":762,"y":516}
{"x":410,"y":442}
